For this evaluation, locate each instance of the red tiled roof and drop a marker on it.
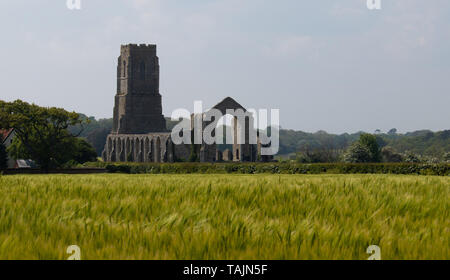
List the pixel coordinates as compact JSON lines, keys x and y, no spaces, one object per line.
{"x":5,"y":133}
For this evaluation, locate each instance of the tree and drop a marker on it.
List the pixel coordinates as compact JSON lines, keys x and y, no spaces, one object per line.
{"x":447,"y":157}
{"x":381,"y":142}
{"x":392,"y":131}
{"x":130,"y":157}
{"x":97,"y":139}
{"x":322,"y":155}
{"x":370,"y":141}
{"x":357,"y":153}
{"x":94,"y":131}
{"x":390,"y":155}
{"x":193,"y":155}
{"x":411,"y":157}
{"x":3,"y":157}
{"x":40,"y":133}
{"x":83,"y":152}
{"x":366,"y":149}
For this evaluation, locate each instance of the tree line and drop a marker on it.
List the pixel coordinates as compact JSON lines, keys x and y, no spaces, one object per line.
{"x":54,"y":137}
{"x":418,"y":146}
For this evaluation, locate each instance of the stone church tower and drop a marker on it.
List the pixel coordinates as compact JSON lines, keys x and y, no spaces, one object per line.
{"x":139,"y":131}
{"x":138,"y":108}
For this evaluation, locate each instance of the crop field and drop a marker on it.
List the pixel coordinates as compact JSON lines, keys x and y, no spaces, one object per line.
{"x":118,"y":216}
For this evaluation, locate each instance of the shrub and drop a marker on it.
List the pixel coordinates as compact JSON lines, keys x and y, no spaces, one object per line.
{"x":366,"y":149}
{"x":278,"y":168}
{"x":447,"y":157}
{"x":390,"y":155}
{"x":83,"y":151}
{"x":317,"y":156}
{"x":357,"y":153}
{"x":411,"y":158}
{"x":371,"y":142}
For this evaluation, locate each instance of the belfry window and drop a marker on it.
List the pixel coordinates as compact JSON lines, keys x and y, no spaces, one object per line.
{"x":124,"y":68}
{"x":142,"y":70}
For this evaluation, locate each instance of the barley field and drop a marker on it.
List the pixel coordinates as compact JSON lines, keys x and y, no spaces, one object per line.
{"x":117,"y":216}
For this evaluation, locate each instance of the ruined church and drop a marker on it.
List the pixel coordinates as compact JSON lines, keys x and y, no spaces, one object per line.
{"x":139,"y":131}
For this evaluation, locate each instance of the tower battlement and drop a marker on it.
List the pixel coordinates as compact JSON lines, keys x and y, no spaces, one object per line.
{"x":132,"y":48}
{"x":139,"y":46}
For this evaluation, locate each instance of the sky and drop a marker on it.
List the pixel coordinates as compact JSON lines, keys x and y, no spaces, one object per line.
{"x":326,"y":65}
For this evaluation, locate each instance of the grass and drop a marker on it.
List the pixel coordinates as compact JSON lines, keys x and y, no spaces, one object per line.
{"x":117,"y":216}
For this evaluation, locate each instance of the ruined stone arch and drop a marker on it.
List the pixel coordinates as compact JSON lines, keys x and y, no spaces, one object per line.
{"x":146,"y":143}
{"x":132,"y":156}
{"x":122,"y":150}
{"x":150,"y":154}
{"x":170,"y":150}
{"x":141,"y":150}
{"x":241,"y":152}
{"x":126,"y":148}
{"x":108,"y":148}
{"x":137,"y":151}
{"x":113,"y":150}
{"x":157,"y":151}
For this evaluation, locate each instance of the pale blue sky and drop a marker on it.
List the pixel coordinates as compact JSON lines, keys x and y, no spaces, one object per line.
{"x":327,"y":65}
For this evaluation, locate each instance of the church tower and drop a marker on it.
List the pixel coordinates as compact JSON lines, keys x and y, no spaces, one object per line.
{"x":138,"y":108}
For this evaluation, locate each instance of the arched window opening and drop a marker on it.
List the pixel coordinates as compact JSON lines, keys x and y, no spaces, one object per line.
{"x":124,"y":68}
{"x":142,"y":70}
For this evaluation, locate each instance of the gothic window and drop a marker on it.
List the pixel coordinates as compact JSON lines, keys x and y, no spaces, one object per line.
{"x":124,"y":68}
{"x":142,"y":70}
